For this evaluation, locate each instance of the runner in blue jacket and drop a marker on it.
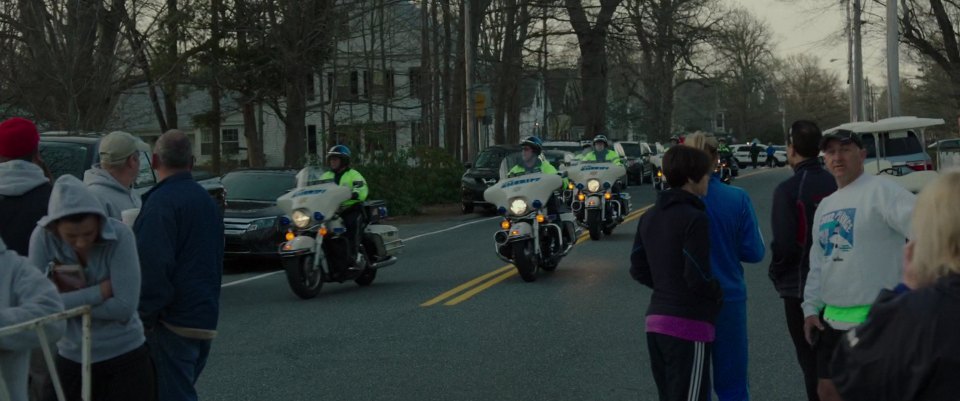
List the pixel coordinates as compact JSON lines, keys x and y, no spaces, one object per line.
{"x":734,"y":238}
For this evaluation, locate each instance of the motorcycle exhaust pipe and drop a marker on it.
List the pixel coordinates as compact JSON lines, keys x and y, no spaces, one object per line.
{"x":384,"y":263}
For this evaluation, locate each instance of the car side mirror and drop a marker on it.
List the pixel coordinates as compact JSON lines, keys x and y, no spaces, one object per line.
{"x":468,"y":165}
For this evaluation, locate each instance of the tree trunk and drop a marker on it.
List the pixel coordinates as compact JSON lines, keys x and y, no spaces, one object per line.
{"x":451,"y":117}
{"x":293,"y":123}
{"x":252,"y":135}
{"x":593,"y":61}
{"x":170,"y":82}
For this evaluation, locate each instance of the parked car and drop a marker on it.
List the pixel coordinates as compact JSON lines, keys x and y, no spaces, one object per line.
{"x":742,"y":154}
{"x":481,"y":174}
{"x":640,"y":168}
{"x":561,"y":159}
{"x":75,"y":153}
{"x":569,"y":146}
{"x":251,"y":221}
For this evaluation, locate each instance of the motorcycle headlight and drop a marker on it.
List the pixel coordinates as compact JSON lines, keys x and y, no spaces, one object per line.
{"x":593,"y":185}
{"x":518,"y":206}
{"x":300,"y":219}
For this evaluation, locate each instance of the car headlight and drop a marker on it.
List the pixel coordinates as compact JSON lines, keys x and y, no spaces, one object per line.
{"x":300,"y":219}
{"x":261,"y":224}
{"x":593,"y":185}
{"x":518,"y":206}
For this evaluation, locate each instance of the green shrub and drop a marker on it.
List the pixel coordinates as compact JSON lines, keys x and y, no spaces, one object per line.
{"x":409,"y":180}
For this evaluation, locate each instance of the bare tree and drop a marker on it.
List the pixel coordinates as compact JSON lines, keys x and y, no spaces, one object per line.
{"x":667,"y":34}
{"x":592,"y":39}
{"x":811,"y":92}
{"x":63,"y":60}
{"x":930,"y":30}
{"x":743,"y":50}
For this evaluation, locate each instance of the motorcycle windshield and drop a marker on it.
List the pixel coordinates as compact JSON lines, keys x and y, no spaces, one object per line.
{"x":311,"y":175}
{"x":514,"y":165}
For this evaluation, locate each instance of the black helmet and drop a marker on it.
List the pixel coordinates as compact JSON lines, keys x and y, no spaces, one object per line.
{"x":533,"y":142}
{"x":601,"y":138}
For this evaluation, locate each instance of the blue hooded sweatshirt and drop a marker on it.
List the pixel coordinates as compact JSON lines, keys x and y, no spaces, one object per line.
{"x":734,"y":236}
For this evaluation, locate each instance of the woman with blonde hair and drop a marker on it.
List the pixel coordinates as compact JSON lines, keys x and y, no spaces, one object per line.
{"x":734,"y":238}
{"x":908,"y":349}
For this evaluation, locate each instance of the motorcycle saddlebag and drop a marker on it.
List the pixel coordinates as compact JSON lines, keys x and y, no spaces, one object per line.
{"x":385,"y":238}
{"x":375,"y":210}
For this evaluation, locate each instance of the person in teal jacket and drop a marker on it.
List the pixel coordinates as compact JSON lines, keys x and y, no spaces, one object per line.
{"x":601,"y":152}
{"x":351,"y":210}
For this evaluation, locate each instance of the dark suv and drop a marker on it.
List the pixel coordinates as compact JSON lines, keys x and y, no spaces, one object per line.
{"x":251,"y":222}
{"x":481,"y":175}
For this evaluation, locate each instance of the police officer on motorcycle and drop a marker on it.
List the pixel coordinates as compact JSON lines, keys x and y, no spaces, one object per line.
{"x":531,"y":148}
{"x":351,"y":210}
{"x":601,"y":152}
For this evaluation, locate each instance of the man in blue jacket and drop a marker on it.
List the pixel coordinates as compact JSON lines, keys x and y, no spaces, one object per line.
{"x":180,"y":241}
{"x":795,"y":202}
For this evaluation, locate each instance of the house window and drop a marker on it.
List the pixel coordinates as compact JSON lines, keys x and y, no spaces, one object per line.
{"x":415,"y":79}
{"x":311,"y":139}
{"x":378,"y":84}
{"x":206,"y":142}
{"x":230,"y":141}
{"x":348,"y":86}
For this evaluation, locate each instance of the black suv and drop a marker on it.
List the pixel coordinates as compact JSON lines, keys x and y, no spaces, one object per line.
{"x":251,"y":222}
{"x":481,"y":175}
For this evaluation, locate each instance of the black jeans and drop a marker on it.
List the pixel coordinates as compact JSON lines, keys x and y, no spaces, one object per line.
{"x":130,"y":376}
{"x":806,"y":356}
{"x":351,"y":221}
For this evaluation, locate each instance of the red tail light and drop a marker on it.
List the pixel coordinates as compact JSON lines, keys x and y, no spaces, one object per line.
{"x":920,"y":166}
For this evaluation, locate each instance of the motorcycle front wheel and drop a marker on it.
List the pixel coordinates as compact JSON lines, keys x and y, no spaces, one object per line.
{"x":305,"y":280}
{"x":593,"y":224}
{"x":523,"y":259}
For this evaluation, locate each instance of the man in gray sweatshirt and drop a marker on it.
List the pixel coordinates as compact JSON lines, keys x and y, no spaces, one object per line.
{"x":25,"y":294}
{"x":112,"y":180}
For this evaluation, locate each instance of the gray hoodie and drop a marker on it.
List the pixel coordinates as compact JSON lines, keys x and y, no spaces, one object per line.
{"x":18,"y":177}
{"x":114,"y":196}
{"x":116,"y":325}
{"x":25,"y":294}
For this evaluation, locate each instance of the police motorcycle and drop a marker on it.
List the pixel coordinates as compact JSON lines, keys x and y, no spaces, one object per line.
{"x":597,"y":206}
{"x":723,"y":170}
{"x":530,"y":236}
{"x":316,"y":250}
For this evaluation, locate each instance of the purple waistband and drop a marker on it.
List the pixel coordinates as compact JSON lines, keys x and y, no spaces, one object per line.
{"x":684,"y":329}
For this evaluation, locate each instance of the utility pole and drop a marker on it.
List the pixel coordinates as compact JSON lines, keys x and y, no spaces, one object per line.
{"x":545,"y":131}
{"x":858,"y":62}
{"x":850,"y":90}
{"x":893,"y":60}
{"x":469,"y":136}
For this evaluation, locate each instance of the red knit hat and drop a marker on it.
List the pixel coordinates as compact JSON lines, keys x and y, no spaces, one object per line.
{"x":18,"y":138}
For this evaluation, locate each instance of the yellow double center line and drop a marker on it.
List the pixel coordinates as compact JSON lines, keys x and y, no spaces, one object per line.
{"x":473,"y":287}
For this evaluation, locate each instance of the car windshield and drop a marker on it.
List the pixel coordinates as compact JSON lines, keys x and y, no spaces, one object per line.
{"x":901,"y":144}
{"x":632,"y":149}
{"x":65,"y":158}
{"x":264,"y":186}
{"x":568,"y":148}
{"x":490,"y":158}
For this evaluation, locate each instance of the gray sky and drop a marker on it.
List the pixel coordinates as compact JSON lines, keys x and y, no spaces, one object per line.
{"x":816,"y":27}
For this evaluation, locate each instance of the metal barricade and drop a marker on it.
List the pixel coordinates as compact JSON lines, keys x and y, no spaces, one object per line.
{"x":38,"y":325}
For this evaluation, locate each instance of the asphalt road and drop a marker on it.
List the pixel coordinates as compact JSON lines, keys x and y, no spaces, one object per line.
{"x":450,"y":321}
